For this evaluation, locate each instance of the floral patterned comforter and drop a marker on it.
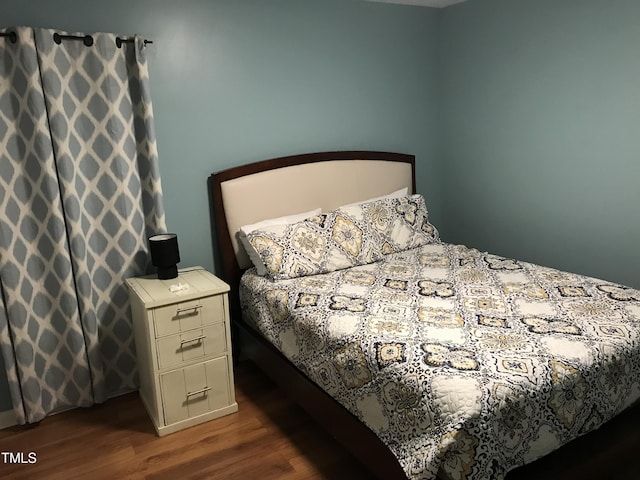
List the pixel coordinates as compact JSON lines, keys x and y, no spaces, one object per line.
{"x":459,"y":360}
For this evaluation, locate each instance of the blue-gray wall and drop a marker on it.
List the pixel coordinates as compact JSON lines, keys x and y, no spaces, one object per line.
{"x":523,"y":114}
{"x":235,"y":81}
{"x":540,"y":132}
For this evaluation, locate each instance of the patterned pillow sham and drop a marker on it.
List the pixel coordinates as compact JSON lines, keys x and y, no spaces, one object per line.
{"x":402,"y":223}
{"x":253,"y":255}
{"x":342,"y":238}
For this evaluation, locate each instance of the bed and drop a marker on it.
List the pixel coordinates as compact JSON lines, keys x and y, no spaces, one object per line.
{"x":422,"y":358}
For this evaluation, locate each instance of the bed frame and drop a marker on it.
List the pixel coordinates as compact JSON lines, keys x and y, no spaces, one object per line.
{"x":287,"y":185}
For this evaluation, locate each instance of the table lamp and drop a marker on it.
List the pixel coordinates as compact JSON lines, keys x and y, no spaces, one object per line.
{"x":165,"y":254}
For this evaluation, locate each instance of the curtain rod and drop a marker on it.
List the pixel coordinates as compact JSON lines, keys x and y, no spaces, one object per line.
{"x":86,"y":39}
{"x":13,"y":36}
{"x":120,"y":41}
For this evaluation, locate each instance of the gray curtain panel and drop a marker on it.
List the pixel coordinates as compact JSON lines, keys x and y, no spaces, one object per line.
{"x":79,"y":194}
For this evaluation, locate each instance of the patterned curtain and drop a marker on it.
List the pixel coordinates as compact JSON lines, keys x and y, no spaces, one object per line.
{"x":79,"y":194}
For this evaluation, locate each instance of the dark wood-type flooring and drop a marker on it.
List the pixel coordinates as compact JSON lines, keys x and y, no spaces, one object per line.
{"x":269,"y":438}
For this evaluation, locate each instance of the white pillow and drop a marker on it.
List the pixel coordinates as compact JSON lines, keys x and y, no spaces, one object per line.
{"x":403,"y":192}
{"x":270,"y":222}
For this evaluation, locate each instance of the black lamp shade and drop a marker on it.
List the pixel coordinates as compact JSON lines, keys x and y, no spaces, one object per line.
{"x":165,"y":254}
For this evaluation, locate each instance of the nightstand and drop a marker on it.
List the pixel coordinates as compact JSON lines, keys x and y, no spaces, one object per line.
{"x":183,"y":345}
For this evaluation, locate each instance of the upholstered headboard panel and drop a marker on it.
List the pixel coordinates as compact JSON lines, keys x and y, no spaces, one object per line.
{"x":300,"y":188}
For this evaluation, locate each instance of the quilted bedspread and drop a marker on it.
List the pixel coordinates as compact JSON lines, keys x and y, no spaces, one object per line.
{"x":459,"y":360}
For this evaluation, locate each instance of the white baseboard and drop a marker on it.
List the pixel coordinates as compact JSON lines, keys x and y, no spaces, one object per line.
{"x":7,"y":419}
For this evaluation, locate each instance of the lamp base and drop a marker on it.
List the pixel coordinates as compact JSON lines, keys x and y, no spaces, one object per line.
{"x":166,"y":273}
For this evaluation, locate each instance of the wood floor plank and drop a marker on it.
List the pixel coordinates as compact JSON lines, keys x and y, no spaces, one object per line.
{"x":268,"y":438}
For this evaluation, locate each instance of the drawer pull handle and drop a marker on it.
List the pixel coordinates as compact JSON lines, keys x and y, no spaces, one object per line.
{"x":193,"y":310}
{"x":196,"y":339}
{"x":198,"y":392}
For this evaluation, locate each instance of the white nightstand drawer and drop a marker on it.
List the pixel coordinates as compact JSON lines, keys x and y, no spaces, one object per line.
{"x":195,"y":390}
{"x":192,"y":345}
{"x":183,"y":316}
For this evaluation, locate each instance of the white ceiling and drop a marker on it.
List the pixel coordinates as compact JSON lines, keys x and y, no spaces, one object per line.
{"x":422,"y":3}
